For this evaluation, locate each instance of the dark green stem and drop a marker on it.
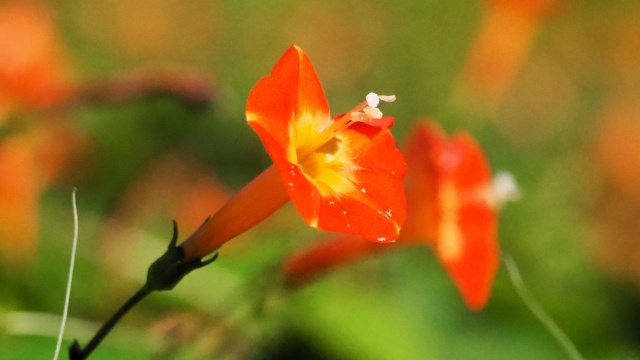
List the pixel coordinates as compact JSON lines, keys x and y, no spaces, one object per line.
{"x":78,"y":353}
{"x":164,"y":274}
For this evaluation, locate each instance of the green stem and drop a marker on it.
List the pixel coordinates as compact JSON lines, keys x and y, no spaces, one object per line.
{"x":78,"y":353}
{"x":164,"y":274}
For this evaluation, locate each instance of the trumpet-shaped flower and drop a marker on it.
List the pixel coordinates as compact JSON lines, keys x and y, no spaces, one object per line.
{"x":342,"y":174}
{"x":451,"y":206}
{"x":463,"y":205}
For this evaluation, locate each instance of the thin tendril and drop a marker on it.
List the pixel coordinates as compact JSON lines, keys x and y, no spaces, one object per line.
{"x":563,"y":340}
{"x":70,"y":277}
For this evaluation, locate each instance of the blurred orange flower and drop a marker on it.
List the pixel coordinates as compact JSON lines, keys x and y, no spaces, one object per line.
{"x":33,"y":74}
{"x":464,"y":233}
{"x":501,"y":46}
{"x":343,"y":175}
{"x":20,"y":189}
{"x":452,"y":206}
{"x":29,"y":162}
{"x":617,"y":216}
{"x":33,"y":71}
{"x":617,"y":139}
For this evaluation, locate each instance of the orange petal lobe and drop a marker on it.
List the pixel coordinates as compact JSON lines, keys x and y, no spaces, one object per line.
{"x":383,"y":123}
{"x":422,"y":146}
{"x":285,"y":103}
{"x":467,"y":240}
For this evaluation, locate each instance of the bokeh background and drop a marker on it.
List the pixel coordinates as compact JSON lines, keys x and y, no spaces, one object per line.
{"x":549,"y":88}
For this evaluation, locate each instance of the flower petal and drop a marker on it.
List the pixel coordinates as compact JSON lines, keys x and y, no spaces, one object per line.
{"x":385,"y":122}
{"x":287,"y":104}
{"x":357,"y":190}
{"x":467,"y":239}
{"x":426,"y":138}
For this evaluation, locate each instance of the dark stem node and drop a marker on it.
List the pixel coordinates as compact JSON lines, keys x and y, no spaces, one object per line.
{"x":164,"y":274}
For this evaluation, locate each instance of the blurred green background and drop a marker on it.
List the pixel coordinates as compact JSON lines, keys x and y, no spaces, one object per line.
{"x":560,"y":111}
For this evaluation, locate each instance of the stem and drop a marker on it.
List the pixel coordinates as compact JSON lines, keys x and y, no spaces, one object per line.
{"x":78,"y":353}
{"x":554,"y":329}
{"x":164,"y":274}
{"x":67,"y":296}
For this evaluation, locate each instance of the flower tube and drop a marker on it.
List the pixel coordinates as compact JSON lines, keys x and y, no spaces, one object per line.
{"x":343,"y":174}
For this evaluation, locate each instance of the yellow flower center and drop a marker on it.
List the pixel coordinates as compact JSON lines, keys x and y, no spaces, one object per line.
{"x":308,"y":142}
{"x":323,"y":166}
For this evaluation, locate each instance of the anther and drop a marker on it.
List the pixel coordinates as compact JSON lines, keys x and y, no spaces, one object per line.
{"x":372,"y":112}
{"x":372,"y":99}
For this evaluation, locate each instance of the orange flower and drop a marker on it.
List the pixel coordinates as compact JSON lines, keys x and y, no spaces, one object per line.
{"x":20,"y":187}
{"x":343,"y":175}
{"x":33,"y":74}
{"x":462,"y":206}
{"x":501,"y":46}
{"x":451,"y":206}
{"x":32,"y":68}
{"x":29,"y":162}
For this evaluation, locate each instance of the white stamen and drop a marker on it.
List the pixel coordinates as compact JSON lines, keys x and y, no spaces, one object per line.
{"x":387,"y":98}
{"x":373,"y":100}
{"x":505,"y":188}
{"x":538,"y":311}
{"x":372,"y":112}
